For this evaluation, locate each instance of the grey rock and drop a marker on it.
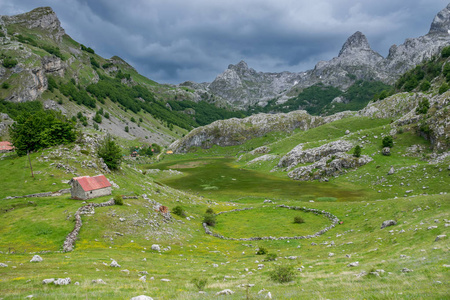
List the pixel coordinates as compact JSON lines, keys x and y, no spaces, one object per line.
{"x":353,"y":264}
{"x":2,"y":265}
{"x":406,"y":270}
{"x":386,"y":151}
{"x":143,"y":278}
{"x":440,"y":237}
{"x":98,"y":281}
{"x":156,"y":247}
{"x":36,"y":258}
{"x":142,"y":297}
{"x":388,"y":223}
{"x":48,"y":281}
{"x":165,"y":280}
{"x":391,"y":170}
{"x":225,"y":292}
{"x":114,"y":264}
{"x":62,"y":281}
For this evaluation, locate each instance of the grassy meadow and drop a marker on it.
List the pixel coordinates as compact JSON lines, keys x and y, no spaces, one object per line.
{"x":416,"y":196}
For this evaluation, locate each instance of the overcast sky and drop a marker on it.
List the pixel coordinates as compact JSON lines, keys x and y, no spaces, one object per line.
{"x":171,"y":41}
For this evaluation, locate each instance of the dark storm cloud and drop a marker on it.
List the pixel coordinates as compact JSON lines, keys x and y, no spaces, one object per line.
{"x":174,"y":41}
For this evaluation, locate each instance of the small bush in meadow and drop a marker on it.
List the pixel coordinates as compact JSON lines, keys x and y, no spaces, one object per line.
{"x":209,"y":219}
{"x":199,"y":283}
{"x":261,"y":251}
{"x":179,"y":211}
{"x":282,"y":274}
{"x":209,"y":210}
{"x":118,"y":200}
{"x":298,"y":220}
{"x":271,"y":257}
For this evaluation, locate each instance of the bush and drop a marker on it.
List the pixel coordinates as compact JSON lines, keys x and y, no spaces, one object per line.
{"x":282,"y":274}
{"x":179,"y":211}
{"x":298,"y":220}
{"x":388,"y":141}
{"x":425,"y":86}
{"x":446,"y":52}
{"x":271,"y":257}
{"x":118,"y":200}
{"x":51,"y":84}
{"x":199,"y":283}
{"x":357,"y":151}
{"x":110,"y":152}
{"x":261,"y":251}
{"x":127,"y":129}
{"x":209,"y":210}
{"x":443,"y":88}
{"x":5,"y":85}
{"x":209,"y":219}
{"x":9,"y":62}
{"x":106,"y":114}
{"x":423,"y":106}
{"x":97,"y":118}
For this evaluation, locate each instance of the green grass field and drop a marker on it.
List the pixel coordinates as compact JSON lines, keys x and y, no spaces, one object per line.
{"x":362,"y":199}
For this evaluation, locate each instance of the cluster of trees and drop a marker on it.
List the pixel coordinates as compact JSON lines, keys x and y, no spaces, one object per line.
{"x":421,"y":76}
{"x":205,"y":113}
{"x":41,"y":129}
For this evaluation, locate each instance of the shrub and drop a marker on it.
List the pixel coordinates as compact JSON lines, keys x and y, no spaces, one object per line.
{"x":118,"y":200}
{"x":423,"y":106}
{"x":443,"y":88}
{"x":357,"y":151}
{"x":179,"y":211}
{"x":51,"y":84}
{"x":97,"y":118}
{"x":209,"y":210}
{"x":209,"y":219}
{"x":270,"y":257}
{"x":425,"y":86}
{"x":106,"y":114}
{"x":282,"y":274}
{"x":5,"y":85}
{"x":9,"y":62}
{"x":127,"y":129}
{"x":298,"y":220}
{"x":110,"y":152}
{"x":199,"y":283}
{"x":446,"y":52}
{"x":94,"y":63}
{"x":261,"y":251}
{"x":388,"y":141}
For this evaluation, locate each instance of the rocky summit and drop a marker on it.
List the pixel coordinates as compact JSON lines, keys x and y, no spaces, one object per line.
{"x":243,"y":86}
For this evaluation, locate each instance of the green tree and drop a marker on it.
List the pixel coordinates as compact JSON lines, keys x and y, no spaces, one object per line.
{"x":446,"y":52}
{"x":42,"y":129}
{"x":388,"y":141}
{"x":425,"y":86}
{"x":357,"y":151}
{"x":443,"y":88}
{"x":110,"y":152}
{"x":97,"y":118}
{"x":423,"y":106}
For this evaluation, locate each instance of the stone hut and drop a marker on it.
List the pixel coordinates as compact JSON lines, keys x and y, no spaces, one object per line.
{"x":86,"y":187}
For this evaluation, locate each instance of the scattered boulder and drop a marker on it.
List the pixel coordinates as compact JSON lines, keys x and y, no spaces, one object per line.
{"x":48,"y":281}
{"x":406,"y":270}
{"x":143,"y":278}
{"x":2,"y":265}
{"x":225,"y":292}
{"x":62,"y":281}
{"x":388,"y":223}
{"x":353,"y":264}
{"x":440,"y":237}
{"x":386,"y":151}
{"x":98,"y":281}
{"x":156,"y":247}
{"x":114,"y":264}
{"x":347,"y":132}
{"x":142,"y":297}
{"x":391,"y":170}
{"x":165,"y":280}
{"x":36,"y":258}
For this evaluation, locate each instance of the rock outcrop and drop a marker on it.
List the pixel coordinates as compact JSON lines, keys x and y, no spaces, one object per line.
{"x":236,"y":131}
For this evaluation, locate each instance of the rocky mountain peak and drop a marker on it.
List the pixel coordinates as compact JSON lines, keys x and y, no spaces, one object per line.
{"x":356,"y":41}
{"x":441,"y":23}
{"x":42,"y":17}
{"x":240,"y":67}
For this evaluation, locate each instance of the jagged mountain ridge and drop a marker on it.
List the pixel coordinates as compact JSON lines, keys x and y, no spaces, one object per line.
{"x":243,"y":86}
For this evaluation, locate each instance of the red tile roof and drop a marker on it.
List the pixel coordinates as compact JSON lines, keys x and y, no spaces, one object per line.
{"x":93,"y":183}
{"x":6,"y":146}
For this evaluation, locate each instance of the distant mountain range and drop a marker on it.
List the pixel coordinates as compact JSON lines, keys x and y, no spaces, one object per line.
{"x":243,"y":86}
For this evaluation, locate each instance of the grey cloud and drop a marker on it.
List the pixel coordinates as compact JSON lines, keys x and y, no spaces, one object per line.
{"x":174,"y":40}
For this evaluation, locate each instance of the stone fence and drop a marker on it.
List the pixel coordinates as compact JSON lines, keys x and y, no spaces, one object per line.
{"x":89,"y":208}
{"x":334,"y":220}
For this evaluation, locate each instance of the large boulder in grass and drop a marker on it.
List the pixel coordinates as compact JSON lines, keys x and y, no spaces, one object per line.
{"x":388,"y":223}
